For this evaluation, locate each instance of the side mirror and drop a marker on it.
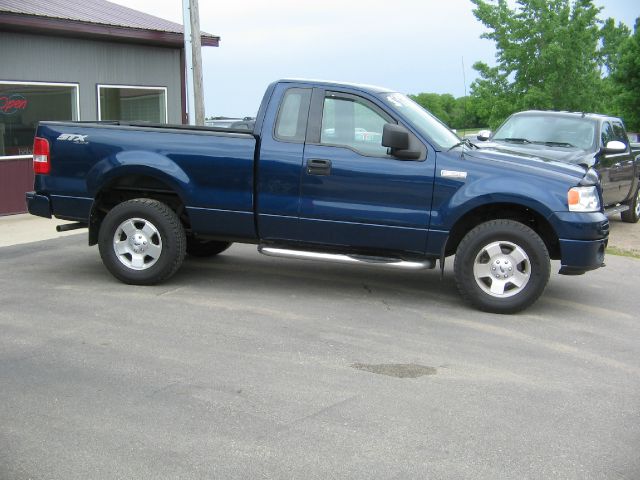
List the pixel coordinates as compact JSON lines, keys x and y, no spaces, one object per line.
{"x":614,"y":146}
{"x":396,"y":138}
{"x":483,"y":135}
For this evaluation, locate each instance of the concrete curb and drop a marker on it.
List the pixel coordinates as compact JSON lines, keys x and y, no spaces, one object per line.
{"x":25,"y":228}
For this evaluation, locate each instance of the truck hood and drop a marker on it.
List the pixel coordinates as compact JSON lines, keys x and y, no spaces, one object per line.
{"x":534,"y":159}
{"x":545,"y":153}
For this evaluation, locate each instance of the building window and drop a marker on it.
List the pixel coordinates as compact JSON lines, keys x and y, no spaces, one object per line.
{"x":130,"y":103}
{"x":24,"y":104}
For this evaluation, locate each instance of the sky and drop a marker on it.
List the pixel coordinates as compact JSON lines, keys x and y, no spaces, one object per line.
{"x":410,"y":46}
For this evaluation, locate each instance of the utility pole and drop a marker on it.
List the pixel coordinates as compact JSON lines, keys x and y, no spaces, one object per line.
{"x":193,"y":61}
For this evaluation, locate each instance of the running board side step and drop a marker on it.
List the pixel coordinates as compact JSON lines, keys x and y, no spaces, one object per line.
{"x":343,"y":258}
{"x":609,"y":212}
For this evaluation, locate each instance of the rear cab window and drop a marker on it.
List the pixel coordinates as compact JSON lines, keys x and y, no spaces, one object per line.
{"x":291,"y":123}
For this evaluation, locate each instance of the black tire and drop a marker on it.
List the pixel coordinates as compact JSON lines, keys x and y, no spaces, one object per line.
{"x":142,"y":242}
{"x":633,"y":214}
{"x":197,"y":247}
{"x":505,"y":252}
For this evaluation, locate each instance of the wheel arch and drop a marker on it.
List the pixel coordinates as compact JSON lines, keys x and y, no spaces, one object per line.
{"x":507,"y":211}
{"x":132,"y":184}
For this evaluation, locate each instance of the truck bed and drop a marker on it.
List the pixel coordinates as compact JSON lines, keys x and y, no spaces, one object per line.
{"x":211,"y":169}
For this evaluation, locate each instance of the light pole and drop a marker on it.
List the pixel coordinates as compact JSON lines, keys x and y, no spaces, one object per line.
{"x":193,"y":62}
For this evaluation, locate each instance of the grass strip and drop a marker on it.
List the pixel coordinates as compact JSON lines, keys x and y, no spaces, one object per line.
{"x":624,"y":252}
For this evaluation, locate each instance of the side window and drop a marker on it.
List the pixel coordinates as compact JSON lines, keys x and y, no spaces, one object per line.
{"x":291,"y":124}
{"x":619,"y":133}
{"x":353,"y":123}
{"x":607,"y":133}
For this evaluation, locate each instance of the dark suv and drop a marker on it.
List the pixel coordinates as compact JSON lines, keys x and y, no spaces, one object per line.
{"x":588,"y":139}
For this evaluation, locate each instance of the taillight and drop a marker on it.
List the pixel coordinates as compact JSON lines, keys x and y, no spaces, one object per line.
{"x":41,"y":160}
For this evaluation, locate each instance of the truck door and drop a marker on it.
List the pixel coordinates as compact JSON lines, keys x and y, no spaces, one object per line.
{"x":352,"y":192}
{"x":625,"y":168}
{"x":278,"y":173}
{"x":612,"y":168}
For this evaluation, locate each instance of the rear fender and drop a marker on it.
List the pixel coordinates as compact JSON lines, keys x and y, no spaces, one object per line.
{"x":129,"y":163}
{"x":134,"y":162}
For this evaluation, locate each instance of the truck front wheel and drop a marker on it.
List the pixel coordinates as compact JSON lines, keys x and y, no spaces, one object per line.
{"x":142,"y":242}
{"x":502,"y":266}
{"x":633,"y":214}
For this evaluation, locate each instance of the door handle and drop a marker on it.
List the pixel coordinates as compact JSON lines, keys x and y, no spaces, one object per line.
{"x":318,"y":166}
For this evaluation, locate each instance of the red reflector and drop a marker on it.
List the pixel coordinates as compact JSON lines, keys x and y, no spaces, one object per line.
{"x":41,"y":164}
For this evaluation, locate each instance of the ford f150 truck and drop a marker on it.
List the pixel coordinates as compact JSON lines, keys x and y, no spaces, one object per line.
{"x":589,"y":139}
{"x":331,"y":171}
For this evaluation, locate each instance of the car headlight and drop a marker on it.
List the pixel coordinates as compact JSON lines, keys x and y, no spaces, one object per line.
{"x":583,"y":199}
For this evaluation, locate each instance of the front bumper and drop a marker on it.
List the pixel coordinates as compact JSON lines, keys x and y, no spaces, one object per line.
{"x":583,"y":240}
{"x":579,"y":256}
{"x":38,"y":205}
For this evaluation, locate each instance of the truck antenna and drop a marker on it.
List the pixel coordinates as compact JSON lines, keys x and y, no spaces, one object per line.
{"x":464,"y":100}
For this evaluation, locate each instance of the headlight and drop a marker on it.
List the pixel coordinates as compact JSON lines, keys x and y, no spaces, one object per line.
{"x":583,"y":199}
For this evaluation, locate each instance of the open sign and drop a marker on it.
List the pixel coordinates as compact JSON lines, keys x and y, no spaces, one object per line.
{"x":10,"y":104}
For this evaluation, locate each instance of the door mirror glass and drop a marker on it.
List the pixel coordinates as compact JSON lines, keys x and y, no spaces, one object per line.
{"x":483,"y":135}
{"x":395,"y":137}
{"x":614,"y":146}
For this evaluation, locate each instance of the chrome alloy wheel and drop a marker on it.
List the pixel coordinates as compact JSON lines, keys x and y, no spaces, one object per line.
{"x":502,"y":269}
{"x":137,"y":243}
{"x":638,"y":203}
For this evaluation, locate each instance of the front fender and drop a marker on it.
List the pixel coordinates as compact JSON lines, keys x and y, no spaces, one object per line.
{"x":453,"y":198}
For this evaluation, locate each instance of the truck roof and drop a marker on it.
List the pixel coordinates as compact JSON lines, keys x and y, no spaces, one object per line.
{"x":329,"y":83}
{"x":591,"y":116}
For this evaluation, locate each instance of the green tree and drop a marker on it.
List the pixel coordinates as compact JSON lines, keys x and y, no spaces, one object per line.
{"x":440,"y":105}
{"x":492,"y":95}
{"x":455,"y":112}
{"x":547,"y":54}
{"x":626,"y":78}
{"x":613,"y":37}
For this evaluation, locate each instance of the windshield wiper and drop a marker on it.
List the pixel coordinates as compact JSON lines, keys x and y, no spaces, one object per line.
{"x":558,"y":144}
{"x":464,"y":141}
{"x":514,"y":140}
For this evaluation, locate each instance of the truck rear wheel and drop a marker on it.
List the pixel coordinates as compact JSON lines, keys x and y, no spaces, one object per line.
{"x":633,"y":214}
{"x":142,"y":242}
{"x":197,"y":247}
{"x":502,"y":266}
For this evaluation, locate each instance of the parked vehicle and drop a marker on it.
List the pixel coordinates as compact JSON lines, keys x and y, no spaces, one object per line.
{"x":587,"y":139}
{"x":307,"y":184}
{"x":247,"y":124}
{"x":221,"y":122}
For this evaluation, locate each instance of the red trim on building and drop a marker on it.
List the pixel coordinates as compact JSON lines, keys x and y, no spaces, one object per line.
{"x":16,"y":178}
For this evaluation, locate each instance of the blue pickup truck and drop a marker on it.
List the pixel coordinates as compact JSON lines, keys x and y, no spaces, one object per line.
{"x":331,"y":171}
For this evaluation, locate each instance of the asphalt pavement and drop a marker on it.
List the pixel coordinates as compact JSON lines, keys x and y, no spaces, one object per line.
{"x":245,"y":366}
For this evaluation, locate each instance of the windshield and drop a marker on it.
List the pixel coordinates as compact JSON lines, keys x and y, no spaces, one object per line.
{"x":549,"y":130}
{"x":428,"y":125}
